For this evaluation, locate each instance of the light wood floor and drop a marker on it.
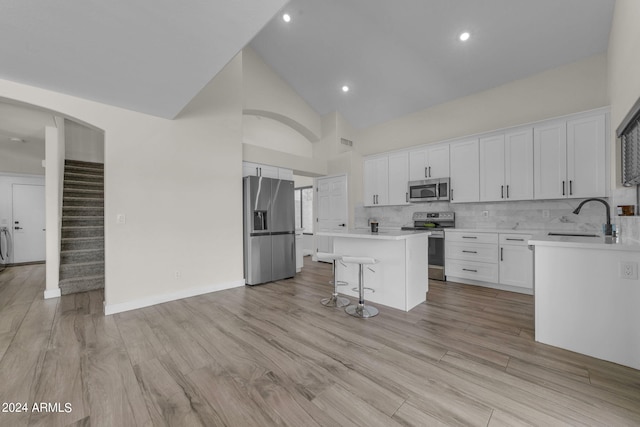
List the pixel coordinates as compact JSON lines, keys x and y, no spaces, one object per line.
{"x":272,"y":355}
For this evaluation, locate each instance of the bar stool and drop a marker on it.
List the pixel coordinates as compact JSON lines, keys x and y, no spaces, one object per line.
{"x":334,"y":300}
{"x":360,"y":310}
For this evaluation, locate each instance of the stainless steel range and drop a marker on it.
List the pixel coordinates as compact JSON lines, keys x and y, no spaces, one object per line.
{"x":436,"y":222}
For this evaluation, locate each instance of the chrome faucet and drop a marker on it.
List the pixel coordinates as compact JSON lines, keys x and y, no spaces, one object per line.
{"x":608,"y":230}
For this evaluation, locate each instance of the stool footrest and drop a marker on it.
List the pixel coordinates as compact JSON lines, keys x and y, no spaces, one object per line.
{"x":371,"y":290}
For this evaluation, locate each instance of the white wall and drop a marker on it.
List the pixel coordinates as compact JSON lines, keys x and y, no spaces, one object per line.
{"x":22,"y":157}
{"x":274,"y":135}
{"x":83,"y":143}
{"x":170,"y":178}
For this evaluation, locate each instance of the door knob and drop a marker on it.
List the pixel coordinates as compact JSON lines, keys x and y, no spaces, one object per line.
{"x":17,"y":228}
{"x":342,"y":225}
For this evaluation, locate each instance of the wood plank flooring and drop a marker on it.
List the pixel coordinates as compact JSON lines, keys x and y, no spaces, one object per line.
{"x":273,"y":355}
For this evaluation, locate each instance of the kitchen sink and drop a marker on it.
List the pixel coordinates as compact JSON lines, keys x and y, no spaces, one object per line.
{"x":572,"y":234}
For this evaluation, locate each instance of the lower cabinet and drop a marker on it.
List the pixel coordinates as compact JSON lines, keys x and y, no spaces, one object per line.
{"x":492,"y":259}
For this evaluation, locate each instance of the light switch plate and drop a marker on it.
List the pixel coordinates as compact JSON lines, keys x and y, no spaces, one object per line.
{"x":121,"y":219}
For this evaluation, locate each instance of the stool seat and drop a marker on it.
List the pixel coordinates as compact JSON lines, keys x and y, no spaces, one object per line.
{"x":334,"y":300}
{"x":361,"y":310}
{"x":327,"y":256}
{"x":358,"y":260}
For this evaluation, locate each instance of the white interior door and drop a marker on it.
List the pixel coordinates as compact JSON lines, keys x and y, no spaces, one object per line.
{"x":28,"y":223}
{"x":331,"y":208}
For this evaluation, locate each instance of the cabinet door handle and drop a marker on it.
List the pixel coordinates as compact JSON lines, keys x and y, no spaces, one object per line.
{"x":426,"y":174}
{"x":501,"y":254}
{"x":563,"y":188}
{"x":468,"y":269}
{"x":451,"y":191}
{"x":571,"y":187}
{"x":407,"y":197}
{"x":507,"y":191}
{"x":373,"y":202}
{"x":515,"y":240}
{"x":469,"y":237}
{"x":470,"y":252}
{"x":502,"y":191}
{"x":429,"y":171}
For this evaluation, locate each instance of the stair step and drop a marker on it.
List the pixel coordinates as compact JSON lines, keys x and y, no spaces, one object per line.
{"x":82,"y":221}
{"x":97,"y":173}
{"x":83,"y":185}
{"x":78,"y":243}
{"x":75,"y":256}
{"x":70,"y":211}
{"x":69,"y":232}
{"x":84,"y":177}
{"x":69,"y":201}
{"x":84,"y":164}
{"x":79,"y":193}
{"x":81,"y":284}
{"x":81,"y":269}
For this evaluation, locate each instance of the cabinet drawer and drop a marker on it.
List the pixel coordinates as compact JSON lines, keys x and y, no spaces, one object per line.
{"x":514,"y":239}
{"x":471,"y":237}
{"x":471,"y":252}
{"x":472,"y":270}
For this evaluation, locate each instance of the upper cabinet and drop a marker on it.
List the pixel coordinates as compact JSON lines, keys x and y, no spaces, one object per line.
{"x":506,"y":166}
{"x":257,"y":169}
{"x":385,"y":179}
{"x":464,"y":162}
{"x":560,"y":158}
{"x":429,"y":162}
{"x":570,"y":158}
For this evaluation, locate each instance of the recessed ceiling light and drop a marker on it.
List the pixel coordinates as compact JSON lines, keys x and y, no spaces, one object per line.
{"x":286,"y":17}
{"x":345,"y":88}
{"x":464,"y":36}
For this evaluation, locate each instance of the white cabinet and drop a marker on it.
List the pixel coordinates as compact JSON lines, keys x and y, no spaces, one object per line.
{"x":570,"y":158}
{"x":257,"y":169}
{"x":376,"y":181}
{"x":464,"y":163}
{"x":492,"y":259}
{"x":429,"y":162}
{"x":398,"y":178}
{"x":586,"y":157}
{"x":506,"y":166}
{"x":472,"y":256}
{"x":385,"y":179}
{"x":516,"y":261}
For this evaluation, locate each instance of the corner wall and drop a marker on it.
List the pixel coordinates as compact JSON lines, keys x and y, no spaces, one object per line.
{"x":179,"y":184}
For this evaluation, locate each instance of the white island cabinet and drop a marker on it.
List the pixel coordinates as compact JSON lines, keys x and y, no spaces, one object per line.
{"x":399,"y":278}
{"x":587,"y":297}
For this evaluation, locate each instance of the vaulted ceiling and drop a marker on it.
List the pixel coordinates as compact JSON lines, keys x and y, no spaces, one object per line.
{"x":397,"y":57}
{"x":402,"y":56}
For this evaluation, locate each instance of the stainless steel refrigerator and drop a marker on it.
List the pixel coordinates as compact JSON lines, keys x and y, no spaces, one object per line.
{"x":269,"y":230}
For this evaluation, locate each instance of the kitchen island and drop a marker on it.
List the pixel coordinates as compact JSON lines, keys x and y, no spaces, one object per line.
{"x":399,"y":279}
{"x":587,"y":295}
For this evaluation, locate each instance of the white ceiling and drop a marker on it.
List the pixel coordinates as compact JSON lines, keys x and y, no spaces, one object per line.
{"x":402,"y":56}
{"x":147,"y":56}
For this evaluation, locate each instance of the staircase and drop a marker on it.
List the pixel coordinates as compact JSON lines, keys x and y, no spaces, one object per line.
{"x":82,"y":246}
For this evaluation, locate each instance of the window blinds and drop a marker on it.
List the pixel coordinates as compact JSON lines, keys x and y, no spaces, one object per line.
{"x":629,"y":133}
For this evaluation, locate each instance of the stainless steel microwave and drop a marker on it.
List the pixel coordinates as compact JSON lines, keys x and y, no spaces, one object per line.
{"x":429,"y":190}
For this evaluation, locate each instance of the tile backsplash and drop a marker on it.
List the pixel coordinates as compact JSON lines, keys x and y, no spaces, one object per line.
{"x":543,"y":215}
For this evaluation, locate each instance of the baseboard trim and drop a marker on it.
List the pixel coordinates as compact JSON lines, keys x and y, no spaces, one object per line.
{"x":110,"y":309}
{"x":52,"y":293}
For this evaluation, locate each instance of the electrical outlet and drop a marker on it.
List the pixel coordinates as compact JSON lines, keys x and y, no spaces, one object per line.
{"x":629,"y":270}
{"x":545,"y":213}
{"x":177,"y":274}
{"x":485,"y":213}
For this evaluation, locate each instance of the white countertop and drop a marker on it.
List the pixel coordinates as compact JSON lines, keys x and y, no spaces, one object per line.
{"x":493,"y":230}
{"x":580,"y":242}
{"x":381,"y":235}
